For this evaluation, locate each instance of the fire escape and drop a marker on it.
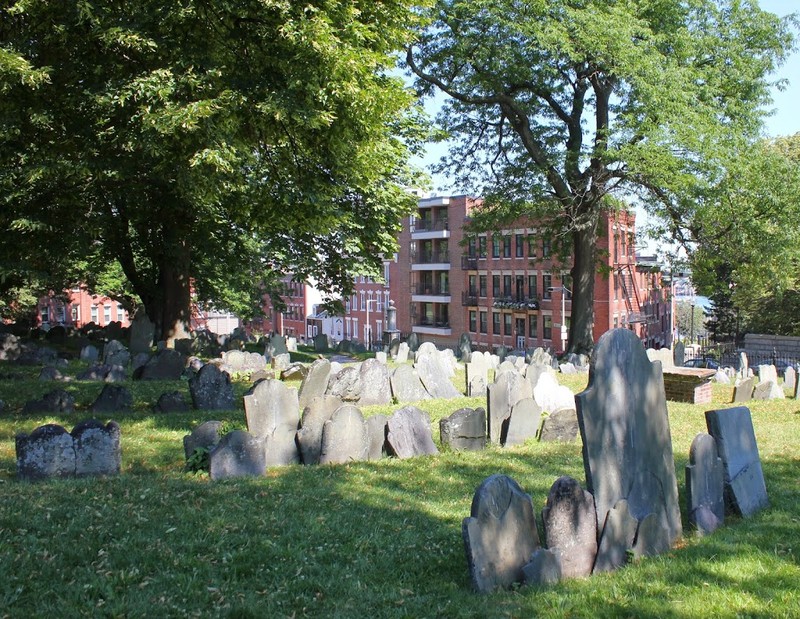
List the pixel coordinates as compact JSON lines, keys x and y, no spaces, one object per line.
{"x":630,"y":292}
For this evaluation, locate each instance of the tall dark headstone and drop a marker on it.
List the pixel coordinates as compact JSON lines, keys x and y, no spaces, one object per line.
{"x":705,"y":479}
{"x":570,"y":527}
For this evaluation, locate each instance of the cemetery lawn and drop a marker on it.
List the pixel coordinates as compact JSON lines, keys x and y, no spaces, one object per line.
{"x":371,"y":539}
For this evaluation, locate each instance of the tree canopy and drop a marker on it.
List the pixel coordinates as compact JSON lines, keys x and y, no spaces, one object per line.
{"x":556,"y":105}
{"x":203,"y":146}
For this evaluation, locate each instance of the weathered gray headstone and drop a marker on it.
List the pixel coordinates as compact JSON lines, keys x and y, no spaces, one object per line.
{"x":309,"y":436}
{"x":434,"y":372}
{"x":211,"y":389}
{"x":743,"y":391}
{"x":508,"y":389}
{"x":409,"y":433}
{"x":344,"y":437}
{"x":276,"y":346}
{"x":732,"y":429}
{"x":375,"y":387}
{"x":238,"y":454}
{"x":166,"y":364}
{"x":464,"y":430}
{"x":559,"y":426}
{"x":679,"y":353}
{"x":49,"y":373}
{"x":346,"y":384}
{"x":543,"y":569}
{"x":321,"y":343}
{"x":280,"y":362}
{"x":789,"y":379}
{"x":768,"y":390}
{"x":744,"y":366}
{"x":570,"y":527}
{"x":767,"y":371}
{"x":662,"y":354}
{"x":273,"y":413}
{"x":551,"y":396}
{"x":115,"y":353}
{"x":376,"y":430}
{"x":56,"y":401}
{"x":406,"y":385}
{"x":627,"y":445}
{"x":477,"y":376}
{"x":205,"y":436}
{"x":316,"y":381}
{"x":97,"y":448}
{"x":111,"y":399}
{"x":523,"y":423}
{"x":171,"y":402}
{"x":705,"y":479}
{"x":652,"y":538}
{"x":413,"y":342}
{"x":616,"y":538}
{"x":500,"y":536}
{"x":47,"y":452}
{"x":402,"y":353}
{"x":89,"y":353}
{"x":142,"y":333}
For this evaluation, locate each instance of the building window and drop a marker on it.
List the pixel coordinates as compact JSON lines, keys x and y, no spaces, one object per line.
{"x":547,"y":286}
{"x":495,"y":246}
{"x":532,"y":291}
{"x":76,"y":313}
{"x":533,"y":326}
{"x":547,"y":327}
{"x":507,"y":246}
{"x":506,"y":324}
{"x":531,"y":246}
{"x":481,"y":247}
{"x":473,"y":321}
{"x":519,"y":245}
{"x":472,"y":247}
{"x":473,"y":285}
{"x":94,"y":314}
{"x":482,"y":286}
{"x":496,"y":323}
{"x":61,"y":314}
{"x":483,"y":322}
{"x":507,"y":285}
{"x":106,"y":314}
{"x":45,"y":313}
{"x":495,"y":286}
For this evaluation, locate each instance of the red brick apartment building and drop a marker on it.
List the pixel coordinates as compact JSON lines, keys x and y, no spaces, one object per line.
{"x":80,"y":308}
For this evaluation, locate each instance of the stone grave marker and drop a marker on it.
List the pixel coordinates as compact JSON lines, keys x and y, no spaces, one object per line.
{"x":508,"y":389}
{"x":705,"y":478}
{"x":789,"y":379}
{"x":309,"y":436}
{"x":316,"y":381}
{"x":171,"y":402}
{"x":679,"y":354}
{"x":768,"y":390}
{"x":662,"y":354}
{"x":166,"y":364}
{"x":49,"y":373}
{"x":344,"y":437}
{"x":551,"y":396}
{"x":376,"y":431}
{"x":375,"y":388}
{"x":272,"y":411}
{"x":115,"y":353}
{"x":570,"y":527}
{"x":464,"y":430}
{"x":617,"y":537}
{"x":97,"y":448}
{"x":89,"y":353}
{"x":321,"y":343}
{"x":561,"y":426}
{"x":112,"y":398}
{"x":627,"y":445}
{"x":743,"y":390}
{"x":500,"y":535}
{"x":767,"y":371}
{"x":205,"y":436}
{"x":346,"y":384}
{"x":238,"y":454}
{"x":211,"y":389}
{"x":745,"y":491}
{"x":402,"y":353}
{"x":543,"y":569}
{"x":409,"y":433}
{"x":406,"y":385}
{"x":434,"y":372}
{"x":142,"y":333}
{"x":46,"y":452}
{"x":55,"y":401}
{"x":523,"y":423}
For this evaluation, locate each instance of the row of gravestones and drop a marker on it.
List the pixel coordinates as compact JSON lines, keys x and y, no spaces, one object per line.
{"x":766,"y":385}
{"x":630,"y":506}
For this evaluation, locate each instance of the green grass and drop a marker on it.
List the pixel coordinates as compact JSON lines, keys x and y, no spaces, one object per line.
{"x":377,"y":539}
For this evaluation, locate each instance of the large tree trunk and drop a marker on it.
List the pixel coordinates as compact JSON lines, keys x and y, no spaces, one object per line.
{"x":171,"y":309}
{"x":584,"y":243}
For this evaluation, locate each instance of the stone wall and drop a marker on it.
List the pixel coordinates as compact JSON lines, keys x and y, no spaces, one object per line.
{"x":763,"y":346}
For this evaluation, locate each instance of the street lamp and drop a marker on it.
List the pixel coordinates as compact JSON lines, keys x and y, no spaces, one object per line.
{"x":564,"y":292}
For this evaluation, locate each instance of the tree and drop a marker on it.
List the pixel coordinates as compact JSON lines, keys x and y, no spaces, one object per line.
{"x":690,"y":320}
{"x":204,"y":146}
{"x":555,"y":106}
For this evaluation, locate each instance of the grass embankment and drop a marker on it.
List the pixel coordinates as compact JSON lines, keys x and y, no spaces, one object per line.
{"x":377,"y":539}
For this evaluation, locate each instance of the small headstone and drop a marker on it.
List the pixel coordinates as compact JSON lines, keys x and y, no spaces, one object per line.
{"x":171,"y":402}
{"x":375,"y":388}
{"x":767,"y":372}
{"x":721,"y":377}
{"x":744,"y":368}
{"x":276,"y":346}
{"x":381,"y":357}
{"x":406,"y":385}
{"x":321,"y":343}
{"x":402,"y":353}
{"x":705,"y":479}
{"x":115,"y":353}
{"x":679,"y":353}
{"x":346,"y":384}
{"x":97,"y":448}
{"x":560,"y":426}
{"x":205,"y":436}
{"x":142,"y":333}
{"x":49,"y":373}
{"x":464,"y":347}
{"x":616,"y":538}
{"x":89,"y":354}
{"x":508,"y":389}
{"x":661,"y":354}
{"x":523,"y":424}
{"x":56,"y":401}
{"x":745,"y":490}
{"x":409,"y":433}
{"x":376,"y":431}
{"x":309,"y":436}
{"x":543,"y":569}
{"x":281,"y":362}
{"x":464,"y":430}
{"x":500,"y":536}
{"x":238,"y":454}
{"x":435,"y":374}
{"x":652,"y":538}
{"x":47,"y":452}
{"x":551,"y":396}
{"x":789,"y":379}
{"x":211,"y":389}
{"x":316,"y":381}
{"x":344,"y":437}
{"x":768,"y":390}
{"x":413,"y":342}
{"x":166,"y":364}
{"x":570,"y":527}
{"x":112,"y":398}
{"x":273,"y":413}
{"x":743,"y":391}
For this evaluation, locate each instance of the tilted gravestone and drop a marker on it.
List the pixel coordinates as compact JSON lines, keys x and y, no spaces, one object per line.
{"x":464,"y":430}
{"x":316,"y":381}
{"x":166,"y":364}
{"x":142,"y":333}
{"x":375,"y":388}
{"x":211,"y":389}
{"x":561,"y":426}
{"x":434,"y":371}
{"x":768,"y":390}
{"x":171,"y":402}
{"x":500,"y":535}
{"x":376,"y":430}
{"x":618,"y":534}
{"x":205,"y":436}
{"x":272,"y":411}
{"x":508,"y":389}
{"x":732,"y":429}
{"x":115,"y":353}
{"x":113,"y":398}
{"x":309,"y":436}
{"x":767,"y":371}
{"x":570,"y":527}
{"x":705,"y":479}
{"x":409,"y":433}
{"x":346,"y":384}
{"x":238,"y":454}
{"x":743,"y":391}
{"x":406,"y":385}
{"x":97,"y":448}
{"x":55,"y":401}
{"x":543,"y":569}
{"x":523,"y":423}
{"x":627,"y":445}
{"x":275,"y":346}
{"x":344,"y":437}
{"x":89,"y":353}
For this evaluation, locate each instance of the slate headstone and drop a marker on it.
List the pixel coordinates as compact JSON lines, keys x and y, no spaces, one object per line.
{"x":211,"y":389}
{"x":789,"y":379}
{"x":309,"y":437}
{"x":464,"y":430}
{"x":112,"y":398}
{"x":376,"y":431}
{"x":205,"y":436}
{"x":743,"y":391}
{"x":48,"y":451}
{"x":166,"y":364}
{"x":570,"y":527}
{"x":500,"y":535}
{"x":543,"y":569}
{"x":55,"y":401}
{"x":97,"y":448}
{"x":409,"y":433}
{"x":142,"y":332}
{"x":238,"y":454}
{"x":768,"y":390}
{"x":171,"y":402}
{"x":272,"y":411}
{"x":344,"y":437}
{"x":616,"y":538}
{"x":375,"y":388}
{"x":705,"y":479}
{"x":434,"y":372}
{"x":561,"y":426}
{"x":406,"y":385}
{"x":523,"y":423}
{"x":346,"y":384}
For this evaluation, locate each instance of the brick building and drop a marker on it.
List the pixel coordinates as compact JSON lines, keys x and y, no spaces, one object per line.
{"x":80,"y":308}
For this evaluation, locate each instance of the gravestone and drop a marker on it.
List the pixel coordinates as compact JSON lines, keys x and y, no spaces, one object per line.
{"x":464,"y":347}
{"x":89,"y":353}
{"x":166,"y":364}
{"x":275,"y":346}
{"x":402,"y":353}
{"x":238,"y":454}
{"x":344,"y":437}
{"x":406,"y":385}
{"x":211,"y":389}
{"x":409,"y":433}
{"x":745,"y":491}
{"x":500,"y":535}
{"x":705,"y":479}
{"x":413,"y":342}
{"x":523,"y":423}
{"x":346,"y":384}
{"x":309,"y":436}
{"x":171,"y":402}
{"x":49,"y":373}
{"x":112,"y":398}
{"x":508,"y":389}
{"x":789,"y":379}
{"x":376,"y":431}
{"x":315,"y":383}
{"x":375,"y":388}
{"x":543,"y":569}
{"x":47,"y":452}
{"x":662,"y":354}
{"x":767,"y":372}
{"x":551,"y":396}
{"x":115,"y":353}
{"x":624,"y":425}
{"x":272,"y":411}
{"x":435,"y":372}
{"x":142,"y":333}
{"x":570,"y":527}
{"x":55,"y":401}
{"x":280,"y":362}
{"x":97,"y":448}
{"x":205,"y":436}
{"x":743,"y":391}
{"x":464,"y":430}
{"x":561,"y":426}
{"x":381,"y":357}
{"x":768,"y":390}
{"x":616,"y":538}
{"x":10,"y":347}
{"x":476,"y":372}
{"x":679,"y":354}
{"x":321,"y":343}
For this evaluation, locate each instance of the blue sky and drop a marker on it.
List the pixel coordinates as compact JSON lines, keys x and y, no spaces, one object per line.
{"x":785,"y":119}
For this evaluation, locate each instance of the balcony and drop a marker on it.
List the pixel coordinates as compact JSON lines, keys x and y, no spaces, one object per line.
{"x":432,"y":289}
{"x":432,"y":327}
{"x":430,"y":260}
{"x":516,"y":302}
{"x":469,"y":263}
{"x":469,"y":299}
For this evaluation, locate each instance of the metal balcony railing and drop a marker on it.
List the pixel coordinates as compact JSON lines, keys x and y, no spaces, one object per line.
{"x":431,"y":257}
{"x":516,"y":302}
{"x":432,"y":289}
